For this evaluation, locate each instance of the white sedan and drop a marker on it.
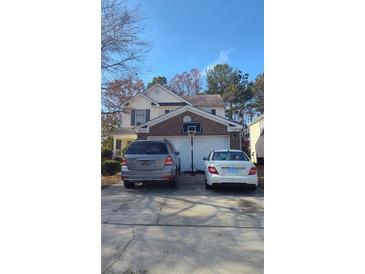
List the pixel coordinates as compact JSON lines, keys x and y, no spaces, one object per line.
{"x":230,"y":167}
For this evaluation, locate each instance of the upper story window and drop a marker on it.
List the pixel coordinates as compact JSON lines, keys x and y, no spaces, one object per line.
{"x":140,"y":116}
{"x":212,"y":111}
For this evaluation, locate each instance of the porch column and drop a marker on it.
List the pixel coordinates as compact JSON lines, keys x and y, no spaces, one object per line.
{"x":114,"y":146}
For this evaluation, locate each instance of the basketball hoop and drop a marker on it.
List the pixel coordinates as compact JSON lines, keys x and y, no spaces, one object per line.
{"x":191,"y":134}
{"x":191,"y":128}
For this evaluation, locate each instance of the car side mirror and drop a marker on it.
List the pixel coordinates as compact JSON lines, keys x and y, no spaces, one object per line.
{"x":177,"y":153}
{"x":205,"y":158}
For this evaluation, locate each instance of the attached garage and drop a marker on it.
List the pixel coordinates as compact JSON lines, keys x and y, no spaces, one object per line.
{"x":214,"y":132}
{"x":202,"y":146}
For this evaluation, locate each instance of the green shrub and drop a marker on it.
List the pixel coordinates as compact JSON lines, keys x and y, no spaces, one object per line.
{"x":110,"y":167}
{"x":119,"y":159}
{"x":106,"y":153}
{"x":104,"y":159}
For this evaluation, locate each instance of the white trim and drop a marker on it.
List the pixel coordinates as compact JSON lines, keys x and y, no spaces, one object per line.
{"x":140,"y":94}
{"x":256,"y":120}
{"x":205,"y":114}
{"x":169,"y":91}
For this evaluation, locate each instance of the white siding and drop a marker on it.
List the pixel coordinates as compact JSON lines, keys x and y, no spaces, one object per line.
{"x":161,"y":96}
{"x":139,"y":103}
{"x":170,"y":108}
{"x":218,"y":110}
{"x":256,"y":140}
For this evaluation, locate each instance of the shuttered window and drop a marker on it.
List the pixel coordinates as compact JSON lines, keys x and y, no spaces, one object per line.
{"x":139,"y":116}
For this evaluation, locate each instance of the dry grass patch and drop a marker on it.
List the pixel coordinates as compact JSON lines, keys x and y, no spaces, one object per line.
{"x":110,"y":180}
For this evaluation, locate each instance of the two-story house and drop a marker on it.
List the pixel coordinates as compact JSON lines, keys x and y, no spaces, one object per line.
{"x":158,"y":113}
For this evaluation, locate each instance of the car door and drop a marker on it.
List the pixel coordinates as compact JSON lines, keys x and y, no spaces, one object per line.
{"x":175,"y":158}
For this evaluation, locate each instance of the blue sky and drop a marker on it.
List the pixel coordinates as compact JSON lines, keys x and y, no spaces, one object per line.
{"x":198,"y":34}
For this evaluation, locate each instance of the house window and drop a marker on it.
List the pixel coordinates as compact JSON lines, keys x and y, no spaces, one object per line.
{"x":118,"y":144}
{"x":212,"y":111}
{"x":167,"y":111}
{"x":140,"y":116}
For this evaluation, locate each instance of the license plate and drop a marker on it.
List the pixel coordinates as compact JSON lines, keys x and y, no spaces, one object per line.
{"x":232,"y":170}
{"x":146,"y":163}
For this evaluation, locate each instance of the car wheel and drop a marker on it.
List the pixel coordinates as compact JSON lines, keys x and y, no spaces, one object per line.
{"x":253,"y":187}
{"x":128,"y":184}
{"x":207,"y":186}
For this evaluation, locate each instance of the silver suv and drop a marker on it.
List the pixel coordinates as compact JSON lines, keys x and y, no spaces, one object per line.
{"x":154,"y":161}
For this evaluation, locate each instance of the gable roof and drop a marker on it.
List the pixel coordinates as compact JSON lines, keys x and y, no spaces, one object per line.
{"x":256,"y":120}
{"x":205,"y":100}
{"x":195,"y":100}
{"x":136,"y":96}
{"x":122,"y":131}
{"x":231,"y":126}
{"x":169,"y":91}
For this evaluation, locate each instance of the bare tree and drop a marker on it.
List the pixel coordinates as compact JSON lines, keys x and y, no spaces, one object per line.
{"x":119,"y":91}
{"x":186,"y":83}
{"x":122,"y":49}
{"x":116,"y":93}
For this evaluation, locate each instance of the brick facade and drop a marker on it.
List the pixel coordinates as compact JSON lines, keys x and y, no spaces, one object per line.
{"x":173,"y":127}
{"x":142,"y":136}
{"x":235,"y":140}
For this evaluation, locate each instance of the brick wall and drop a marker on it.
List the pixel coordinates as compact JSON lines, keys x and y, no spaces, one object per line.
{"x":234,"y":140}
{"x":142,"y":136}
{"x":173,"y":127}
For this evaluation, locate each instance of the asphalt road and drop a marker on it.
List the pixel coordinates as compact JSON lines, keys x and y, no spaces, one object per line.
{"x":155,"y":229}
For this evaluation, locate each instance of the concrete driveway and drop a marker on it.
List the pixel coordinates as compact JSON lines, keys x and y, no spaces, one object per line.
{"x":155,"y":229}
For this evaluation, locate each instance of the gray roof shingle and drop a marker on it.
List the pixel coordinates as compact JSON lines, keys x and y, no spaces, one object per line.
{"x":205,"y":100}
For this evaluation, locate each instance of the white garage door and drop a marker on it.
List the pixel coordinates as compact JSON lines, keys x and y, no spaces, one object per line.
{"x":202,"y":146}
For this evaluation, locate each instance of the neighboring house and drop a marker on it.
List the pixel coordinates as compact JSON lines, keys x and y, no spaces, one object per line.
{"x":256,"y":129}
{"x":158,"y":113}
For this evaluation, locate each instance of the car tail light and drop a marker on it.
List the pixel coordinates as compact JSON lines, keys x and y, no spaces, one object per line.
{"x":253,"y":171}
{"x":168,"y":161}
{"x":124,"y":178}
{"x":212,"y":170}
{"x":124,"y":162}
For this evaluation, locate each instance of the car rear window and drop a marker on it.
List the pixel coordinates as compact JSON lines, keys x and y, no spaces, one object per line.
{"x":229,"y":156}
{"x":147,"y":148}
